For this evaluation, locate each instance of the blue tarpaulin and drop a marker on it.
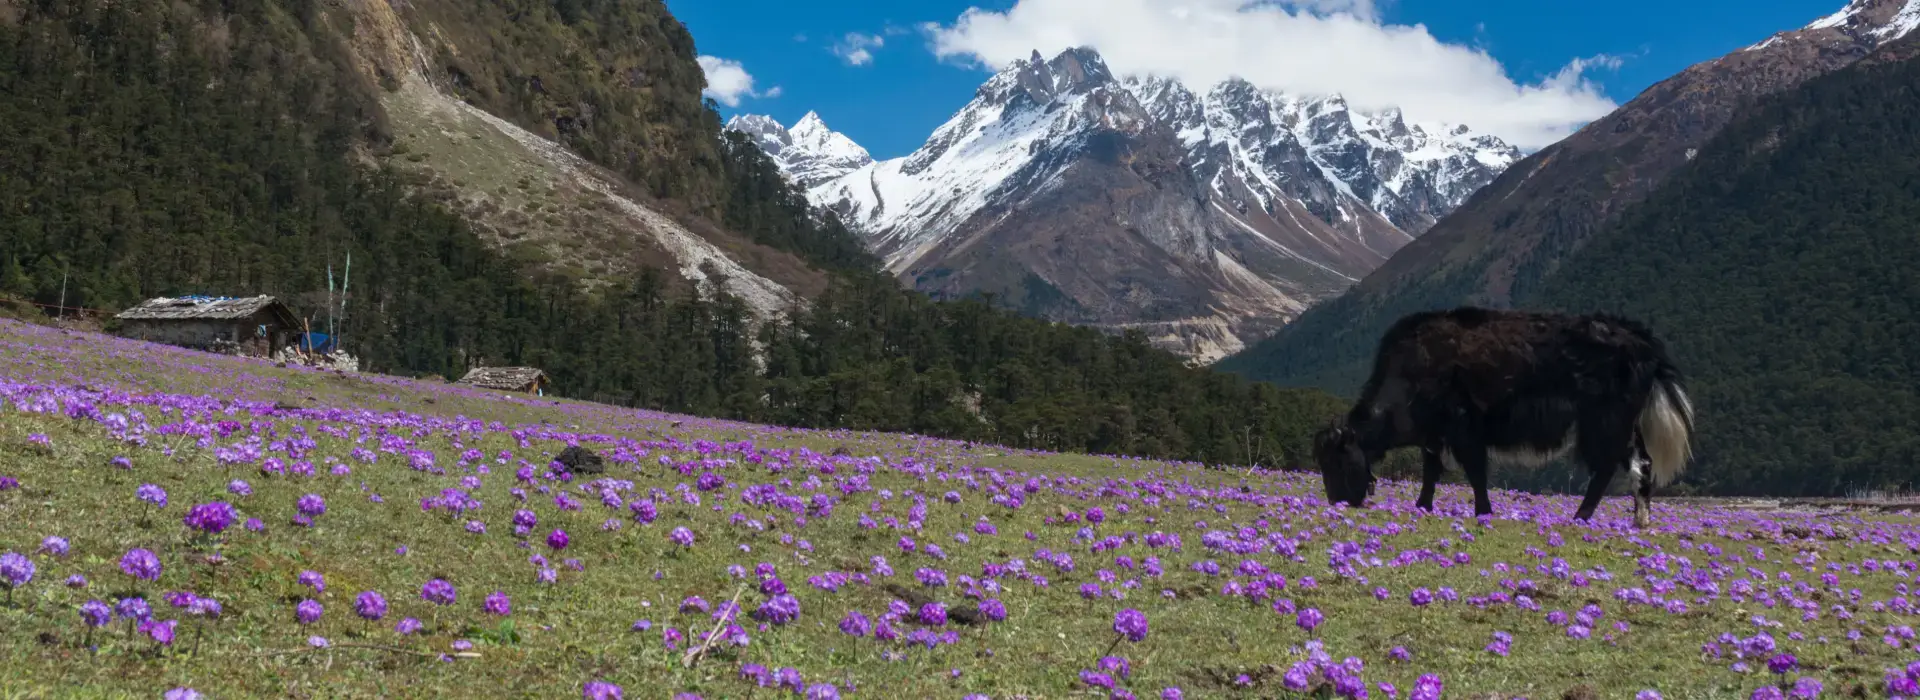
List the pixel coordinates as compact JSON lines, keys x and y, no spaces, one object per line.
{"x":316,"y":342}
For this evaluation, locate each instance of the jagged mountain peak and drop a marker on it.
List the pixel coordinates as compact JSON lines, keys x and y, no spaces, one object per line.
{"x":1884,"y":20}
{"x":810,"y":152}
{"x":754,"y":123}
{"x":1205,"y":215}
{"x":1869,"y":23}
{"x":810,"y":124}
{"x":1045,"y":81}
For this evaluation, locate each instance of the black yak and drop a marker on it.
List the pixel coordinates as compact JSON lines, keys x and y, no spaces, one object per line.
{"x":1469,"y":384}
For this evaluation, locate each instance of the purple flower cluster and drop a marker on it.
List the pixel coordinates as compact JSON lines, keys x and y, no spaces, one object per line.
{"x":1115,"y":540}
{"x":210,"y":518}
{"x":438,"y":592}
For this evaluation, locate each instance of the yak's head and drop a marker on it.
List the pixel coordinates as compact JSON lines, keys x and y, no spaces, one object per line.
{"x":1344,"y":466}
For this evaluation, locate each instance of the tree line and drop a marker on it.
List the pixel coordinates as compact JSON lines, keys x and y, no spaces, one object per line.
{"x":152,"y":148}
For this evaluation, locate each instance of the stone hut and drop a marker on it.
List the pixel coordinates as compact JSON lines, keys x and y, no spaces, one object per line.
{"x":251,"y":326}
{"x":525,"y":380}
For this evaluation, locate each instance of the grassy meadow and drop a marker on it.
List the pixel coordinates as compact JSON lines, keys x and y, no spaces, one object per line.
{"x":835,"y":564}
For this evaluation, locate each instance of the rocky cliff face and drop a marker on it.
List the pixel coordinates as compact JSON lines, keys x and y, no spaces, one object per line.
{"x":1511,"y":234}
{"x":549,"y":147}
{"x":1206,"y":219}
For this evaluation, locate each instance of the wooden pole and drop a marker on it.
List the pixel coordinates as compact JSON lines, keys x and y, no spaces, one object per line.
{"x":61,"y":312}
{"x":346,"y":277}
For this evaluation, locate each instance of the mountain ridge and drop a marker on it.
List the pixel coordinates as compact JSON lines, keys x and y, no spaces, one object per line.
{"x":1510,"y":234}
{"x":1219,"y":214}
{"x":1779,"y":267}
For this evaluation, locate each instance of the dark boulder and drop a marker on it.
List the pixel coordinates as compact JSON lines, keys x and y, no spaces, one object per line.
{"x":580,"y":460}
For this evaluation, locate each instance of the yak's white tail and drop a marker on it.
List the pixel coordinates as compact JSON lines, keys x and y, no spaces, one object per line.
{"x":1666,"y":426}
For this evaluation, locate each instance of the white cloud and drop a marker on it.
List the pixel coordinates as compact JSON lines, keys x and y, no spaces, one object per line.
{"x":728,"y":82}
{"x":1308,"y":47}
{"x":857,"y":49}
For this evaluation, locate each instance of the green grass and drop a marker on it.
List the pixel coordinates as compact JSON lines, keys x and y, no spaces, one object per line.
{"x":578,"y":629}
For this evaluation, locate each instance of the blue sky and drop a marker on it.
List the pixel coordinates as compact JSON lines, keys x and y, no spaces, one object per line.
{"x":801,"y":55}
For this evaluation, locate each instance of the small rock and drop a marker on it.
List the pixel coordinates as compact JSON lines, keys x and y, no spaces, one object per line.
{"x":580,"y":460}
{"x":968,"y":615}
{"x":912,"y":597}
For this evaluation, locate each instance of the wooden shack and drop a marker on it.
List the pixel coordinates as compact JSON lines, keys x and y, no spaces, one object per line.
{"x":250,"y":326}
{"x":525,"y":380}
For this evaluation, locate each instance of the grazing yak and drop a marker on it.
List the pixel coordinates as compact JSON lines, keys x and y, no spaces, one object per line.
{"x":1468,"y":385}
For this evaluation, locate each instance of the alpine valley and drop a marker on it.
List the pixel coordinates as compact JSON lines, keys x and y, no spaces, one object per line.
{"x":1206,"y":219}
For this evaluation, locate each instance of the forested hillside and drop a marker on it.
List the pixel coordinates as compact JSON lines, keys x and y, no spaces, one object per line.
{"x":1783,"y":268}
{"x":1510,"y":236}
{"x":152,"y":148}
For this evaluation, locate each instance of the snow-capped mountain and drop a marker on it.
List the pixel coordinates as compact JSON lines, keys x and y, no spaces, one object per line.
{"x":1206,"y":220}
{"x":1868,"y":22}
{"x":810,"y":153}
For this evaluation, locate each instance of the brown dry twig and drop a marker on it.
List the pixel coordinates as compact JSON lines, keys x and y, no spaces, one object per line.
{"x":695,"y":654}
{"x":373,"y":647}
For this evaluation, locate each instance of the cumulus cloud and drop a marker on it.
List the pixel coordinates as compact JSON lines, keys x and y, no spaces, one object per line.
{"x":857,"y":49}
{"x":1307,"y":47}
{"x":728,"y":82}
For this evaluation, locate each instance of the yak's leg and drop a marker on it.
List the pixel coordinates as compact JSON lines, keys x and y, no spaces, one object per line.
{"x":1471,"y":454}
{"x":1605,"y":447}
{"x":1596,"y":489}
{"x":1642,"y":468}
{"x":1431,"y":467}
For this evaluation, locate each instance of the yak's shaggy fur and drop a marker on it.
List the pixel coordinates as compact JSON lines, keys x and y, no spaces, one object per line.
{"x":1469,"y":384}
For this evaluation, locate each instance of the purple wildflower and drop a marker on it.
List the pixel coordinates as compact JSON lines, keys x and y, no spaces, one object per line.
{"x":95,"y":613}
{"x":370,"y":605}
{"x":308,"y":611}
{"x":211,"y":518}
{"x":1309,"y":618}
{"x":152,"y":493}
{"x":855,"y":624}
{"x":933,"y":613}
{"x":1782,"y":663}
{"x":160,"y":631}
{"x":681,"y":536}
{"x":438,"y":592}
{"x":601,"y":690}
{"x":498,"y":604}
{"x":1131,"y":623}
{"x":1428,"y":687}
{"x":54,"y":545}
{"x":141,"y":564}
{"x":15,"y":570}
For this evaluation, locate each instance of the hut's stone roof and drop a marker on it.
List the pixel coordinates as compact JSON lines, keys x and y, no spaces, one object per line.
{"x":199,"y":307}
{"x":507,"y":378}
